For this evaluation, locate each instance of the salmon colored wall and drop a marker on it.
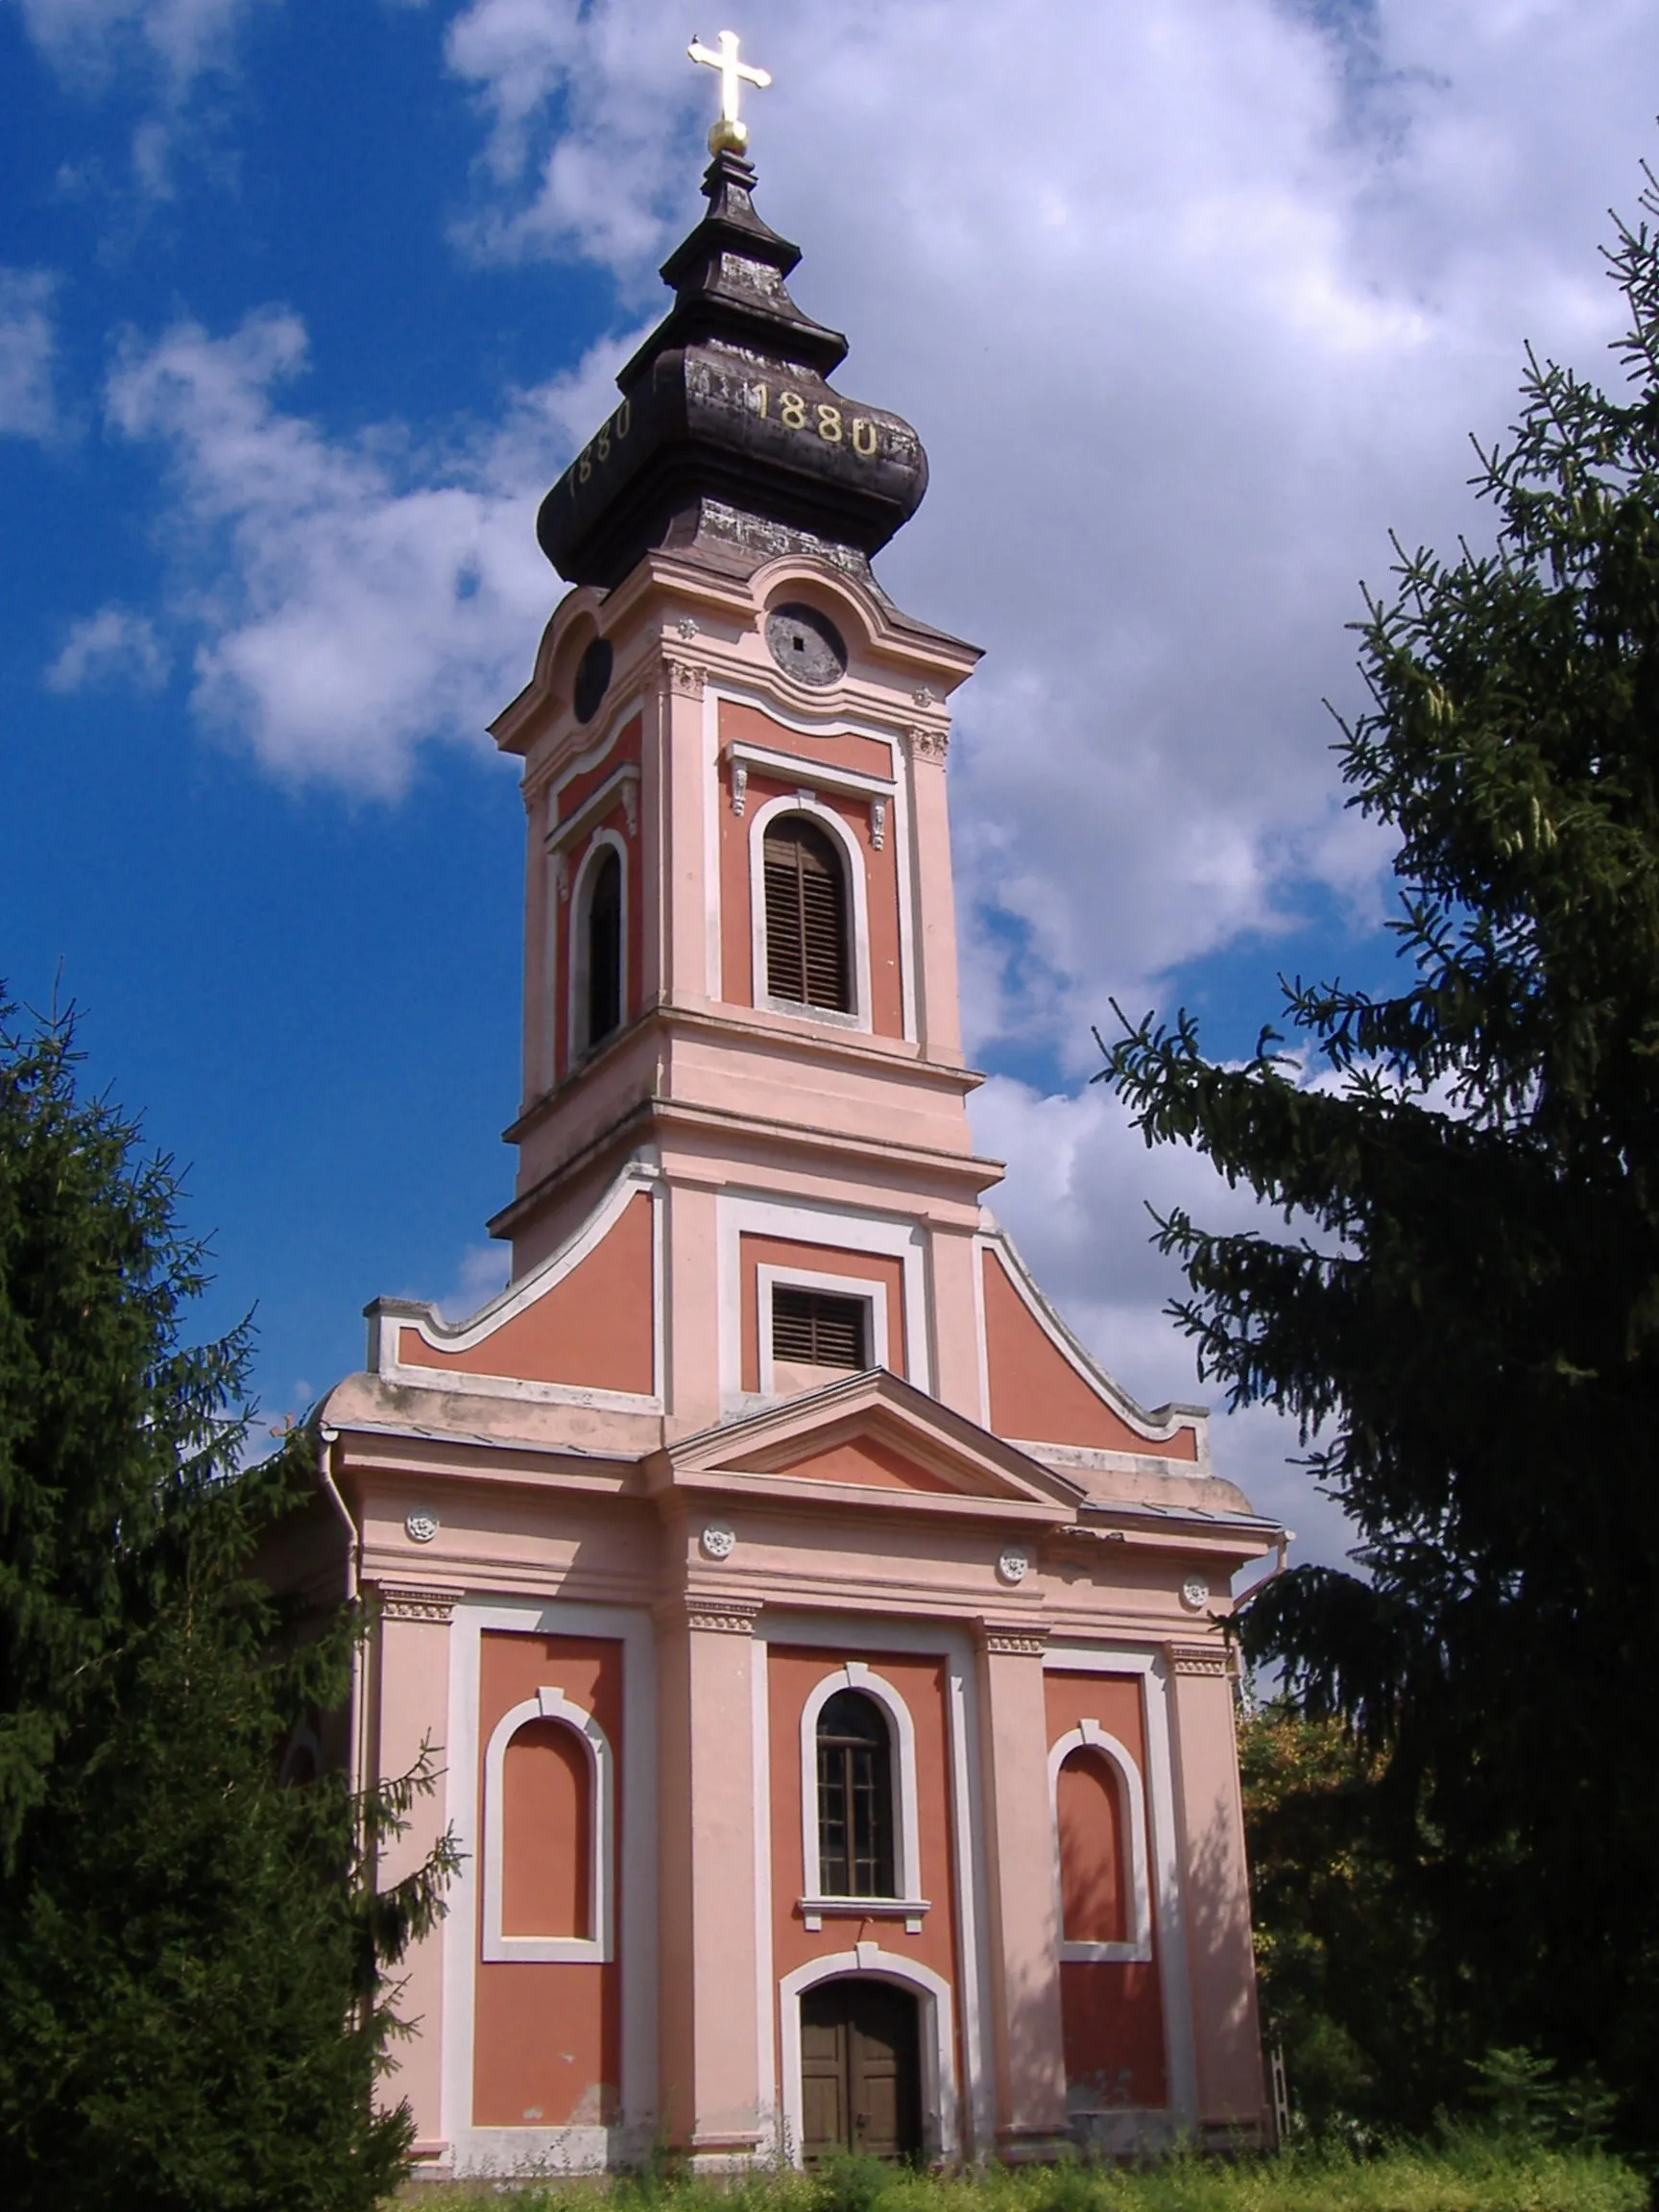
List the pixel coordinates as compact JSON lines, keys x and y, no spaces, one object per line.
{"x":547,"y":2036}
{"x":741,"y":724}
{"x":1112,"y":2012}
{"x":593,"y":1328}
{"x":623,"y":752}
{"x":547,"y":1816}
{"x":880,"y":869}
{"x":755,"y":1252}
{"x":1036,"y":1394}
{"x":863,"y":1460}
{"x":921,"y":1682}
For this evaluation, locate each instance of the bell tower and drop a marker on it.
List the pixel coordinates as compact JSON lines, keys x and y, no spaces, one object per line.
{"x":740,"y":957}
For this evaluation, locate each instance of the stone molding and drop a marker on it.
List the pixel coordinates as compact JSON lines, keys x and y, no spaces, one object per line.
{"x":1014,"y":1639}
{"x":403,"y":1602}
{"x":716,"y":1616}
{"x":1199,"y":1659}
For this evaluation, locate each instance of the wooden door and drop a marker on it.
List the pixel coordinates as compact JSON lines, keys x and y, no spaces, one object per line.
{"x":860,"y":2070}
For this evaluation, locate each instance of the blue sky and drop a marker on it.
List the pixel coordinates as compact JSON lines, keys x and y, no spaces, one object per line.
{"x":301,"y":310}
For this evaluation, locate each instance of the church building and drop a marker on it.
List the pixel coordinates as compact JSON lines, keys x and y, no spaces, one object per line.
{"x":823,"y":1654}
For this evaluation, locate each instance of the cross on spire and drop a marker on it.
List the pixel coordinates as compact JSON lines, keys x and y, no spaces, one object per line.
{"x":729,"y":135}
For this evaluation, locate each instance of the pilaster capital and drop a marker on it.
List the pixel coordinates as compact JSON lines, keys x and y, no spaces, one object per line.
{"x":925,"y":744}
{"x":686,"y":679}
{"x":1014,"y":1639}
{"x":1214,"y":1658}
{"x":405,"y":1602}
{"x":710,"y":1615}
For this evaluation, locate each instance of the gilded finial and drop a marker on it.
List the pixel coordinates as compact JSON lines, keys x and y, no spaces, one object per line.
{"x":730,"y":135}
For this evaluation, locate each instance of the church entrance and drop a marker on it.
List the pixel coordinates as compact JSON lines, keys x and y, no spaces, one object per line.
{"x":860,"y":2070}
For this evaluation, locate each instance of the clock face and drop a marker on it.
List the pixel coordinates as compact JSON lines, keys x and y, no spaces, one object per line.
{"x":805,"y":645}
{"x":592,"y":679}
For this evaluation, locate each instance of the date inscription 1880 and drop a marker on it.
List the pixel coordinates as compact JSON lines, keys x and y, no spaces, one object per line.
{"x":819,"y":418}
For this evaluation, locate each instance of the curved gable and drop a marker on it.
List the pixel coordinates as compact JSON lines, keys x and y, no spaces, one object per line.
{"x":1041,"y":1393}
{"x":589,"y":1323}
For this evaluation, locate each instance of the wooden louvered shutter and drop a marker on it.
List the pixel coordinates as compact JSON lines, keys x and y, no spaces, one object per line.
{"x":814,"y":1329}
{"x":805,"y":916}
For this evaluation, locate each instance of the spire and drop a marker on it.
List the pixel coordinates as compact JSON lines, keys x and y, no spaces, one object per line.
{"x":730,"y":444}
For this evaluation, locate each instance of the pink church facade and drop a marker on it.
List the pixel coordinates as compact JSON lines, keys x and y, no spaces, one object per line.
{"x":822,"y":1654}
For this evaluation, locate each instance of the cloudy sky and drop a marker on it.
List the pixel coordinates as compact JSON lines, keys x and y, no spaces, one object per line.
{"x":302,"y":308}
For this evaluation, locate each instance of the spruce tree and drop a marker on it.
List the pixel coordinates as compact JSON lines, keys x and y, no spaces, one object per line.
{"x":1463,"y":1311}
{"x":193,"y":1955}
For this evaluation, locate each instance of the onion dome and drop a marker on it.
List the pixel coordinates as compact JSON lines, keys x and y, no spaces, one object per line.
{"x":730,"y":444}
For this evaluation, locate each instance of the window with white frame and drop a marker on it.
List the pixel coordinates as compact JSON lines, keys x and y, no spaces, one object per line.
{"x":548,"y":1830}
{"x":809,"y":953}
{"x":598,"y":946}
{"x":859,"y":1841}
{"x":1100,"y":1847}
{"x":814,"y":1327}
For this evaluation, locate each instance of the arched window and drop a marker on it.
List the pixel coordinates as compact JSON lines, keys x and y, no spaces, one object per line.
{"x":549,"y":1823}
{"x":603,"y":931}
{"x":807,"y":956}
{"x":1101,"y":1837}
{"x":855,"y":1855}
{"x":1089,"y":1813}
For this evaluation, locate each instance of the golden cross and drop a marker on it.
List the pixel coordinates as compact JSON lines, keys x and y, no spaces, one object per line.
{"x":729,"y":135}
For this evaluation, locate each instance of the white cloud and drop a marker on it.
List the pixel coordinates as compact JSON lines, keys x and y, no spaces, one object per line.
{"x":350,"y":598}
{"x":114,"y":645}
{"x":90,"y":41}
{"x":480,"y":1276}
{"x":27,"y":345}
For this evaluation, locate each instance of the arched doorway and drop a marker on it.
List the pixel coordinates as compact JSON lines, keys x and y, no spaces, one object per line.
{"x":860,"y":2069}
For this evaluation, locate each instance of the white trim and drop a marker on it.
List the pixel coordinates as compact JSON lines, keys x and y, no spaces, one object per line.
{"x":760,"y":1757}
{"x":494,"y":2148}
{"x":598,"y":803}
{"x":866,"y":1292}
{"x":817,"y":775}
{"x":596,"y":1947}
{"x":1136,"y":1948}
{"x":576,"y":1047}
{"x":618,"y":719}
{"x":854,"y":1674}
{"x":892,"y":1237}
{"x":1181,"y":2068}
{"x":805,"y":801}
{"x":936,"y":2035}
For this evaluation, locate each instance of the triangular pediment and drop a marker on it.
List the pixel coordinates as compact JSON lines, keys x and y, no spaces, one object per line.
{"x":873,"y":1437}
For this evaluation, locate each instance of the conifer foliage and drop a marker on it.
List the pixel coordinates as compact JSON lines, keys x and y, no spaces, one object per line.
{"x":192,"y":1953}
{"x":1464,"y":1311}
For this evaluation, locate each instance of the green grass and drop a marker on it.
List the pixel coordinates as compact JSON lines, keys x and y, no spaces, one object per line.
{"x":1468,"y":2173}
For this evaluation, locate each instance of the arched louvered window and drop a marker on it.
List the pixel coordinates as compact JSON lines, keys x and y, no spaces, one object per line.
{"x":807,"y":936}
{"x":604,"y":927}
{"x":855,"y":1855}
